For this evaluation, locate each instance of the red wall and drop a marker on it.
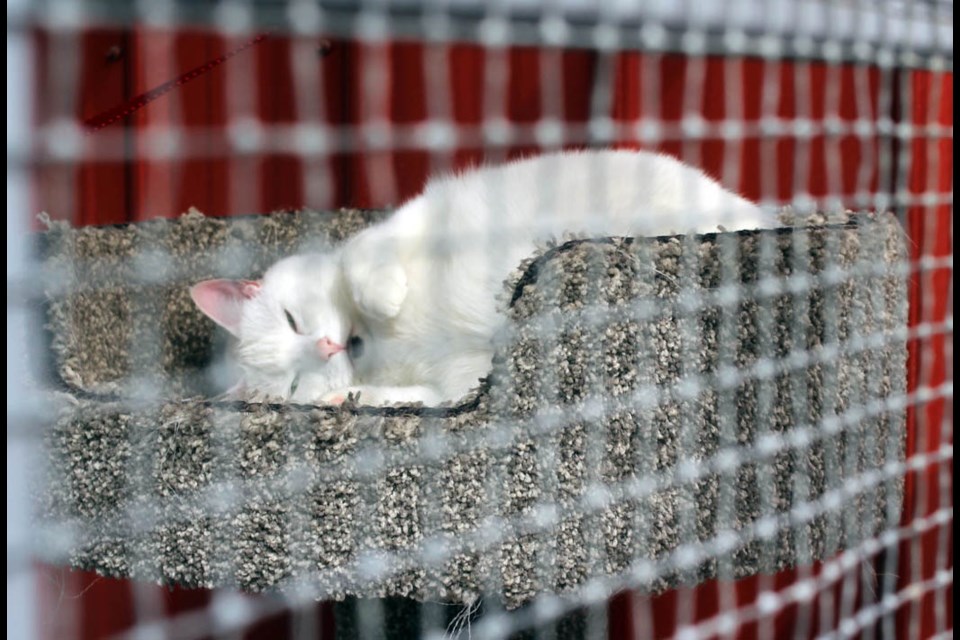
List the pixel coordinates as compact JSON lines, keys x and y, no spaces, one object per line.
{"x":114,"y":67}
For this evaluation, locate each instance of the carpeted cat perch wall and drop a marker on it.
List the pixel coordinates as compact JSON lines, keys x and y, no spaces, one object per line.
{"x":612,"y":441}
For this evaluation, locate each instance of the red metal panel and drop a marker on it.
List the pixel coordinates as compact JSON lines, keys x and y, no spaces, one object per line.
{"x":107,"y":192}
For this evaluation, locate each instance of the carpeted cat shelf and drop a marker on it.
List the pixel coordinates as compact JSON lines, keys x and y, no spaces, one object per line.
{"x":661,"y":411}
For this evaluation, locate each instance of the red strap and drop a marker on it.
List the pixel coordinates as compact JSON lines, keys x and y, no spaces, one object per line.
{"x":109,"y":116}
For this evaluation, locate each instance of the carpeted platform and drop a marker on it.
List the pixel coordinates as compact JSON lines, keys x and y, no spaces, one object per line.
{"x":638,"y":407}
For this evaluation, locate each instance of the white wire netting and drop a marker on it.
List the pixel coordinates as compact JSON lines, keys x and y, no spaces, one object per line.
{"x":700,"y":436}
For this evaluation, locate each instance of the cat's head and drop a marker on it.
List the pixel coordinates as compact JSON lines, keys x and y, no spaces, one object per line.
{"x":292,"y":328}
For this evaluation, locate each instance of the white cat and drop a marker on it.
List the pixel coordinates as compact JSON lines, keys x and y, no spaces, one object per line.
{"x":406,"y":311}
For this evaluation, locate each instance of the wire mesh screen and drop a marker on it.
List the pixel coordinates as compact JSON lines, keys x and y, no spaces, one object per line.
{"x":607,"y":396}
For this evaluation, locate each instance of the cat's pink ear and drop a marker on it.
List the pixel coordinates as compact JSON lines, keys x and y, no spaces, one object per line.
{"x":222,"y":300}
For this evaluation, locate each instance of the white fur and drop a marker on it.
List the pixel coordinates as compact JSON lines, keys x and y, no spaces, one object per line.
{"x":421,"y":287}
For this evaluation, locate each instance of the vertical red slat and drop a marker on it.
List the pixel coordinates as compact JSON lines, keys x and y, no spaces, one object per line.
{"x":408,"y":106}
{"x":95,"y":191}
{"x":202,"y":182}
{"x":153,"y":62}
{"x":467,"y":63}
{"x":523,"y":93}
{"x":281,"y":175}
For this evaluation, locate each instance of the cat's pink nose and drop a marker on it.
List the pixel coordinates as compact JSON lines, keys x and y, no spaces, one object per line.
{"x":327,"y":348}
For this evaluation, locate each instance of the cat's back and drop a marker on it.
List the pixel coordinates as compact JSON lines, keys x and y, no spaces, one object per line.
{"x":546,"y":177}
{"x":604,"y":191}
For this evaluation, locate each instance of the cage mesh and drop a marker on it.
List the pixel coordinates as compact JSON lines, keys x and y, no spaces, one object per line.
{"x":713,"y":436}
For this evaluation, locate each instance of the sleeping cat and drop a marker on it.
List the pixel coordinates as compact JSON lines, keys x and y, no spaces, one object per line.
{"x":406,"y":311}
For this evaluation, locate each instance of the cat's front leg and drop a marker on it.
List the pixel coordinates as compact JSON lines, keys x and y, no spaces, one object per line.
{"x":376,"y":396}
{"x":377,"y":284}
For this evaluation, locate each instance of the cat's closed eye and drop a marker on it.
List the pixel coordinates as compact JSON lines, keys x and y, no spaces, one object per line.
{"x":355,"y":346}
{"x":291,"y":321}
{"x":295,"y":384}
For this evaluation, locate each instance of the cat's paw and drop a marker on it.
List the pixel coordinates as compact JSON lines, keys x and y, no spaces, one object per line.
{"x":379,"y":293}
{"x":363,"y":395}
{"x":339,"y":396}
{"x":335,"y":399}
{"x":378,"y":396}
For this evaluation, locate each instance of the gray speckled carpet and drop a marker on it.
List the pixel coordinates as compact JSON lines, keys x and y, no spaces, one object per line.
{"x":638,"y":406}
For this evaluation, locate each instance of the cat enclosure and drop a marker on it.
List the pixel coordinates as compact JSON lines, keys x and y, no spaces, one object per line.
{"x":739,"y":434}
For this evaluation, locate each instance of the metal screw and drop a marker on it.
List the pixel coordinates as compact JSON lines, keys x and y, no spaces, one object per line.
{"x":324,"y":48}
{"x":114,"y":53}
